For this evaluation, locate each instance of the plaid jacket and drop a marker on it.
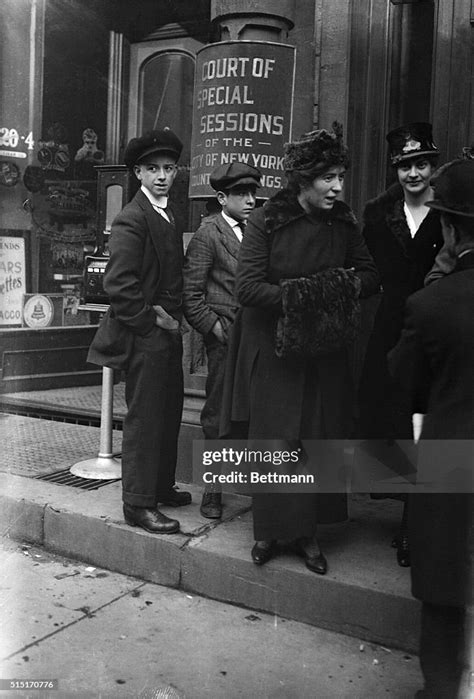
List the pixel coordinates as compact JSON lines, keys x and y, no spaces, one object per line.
{"x":209,"y":273}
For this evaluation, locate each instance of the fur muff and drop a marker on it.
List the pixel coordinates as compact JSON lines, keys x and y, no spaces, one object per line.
{"x":321,"y":314}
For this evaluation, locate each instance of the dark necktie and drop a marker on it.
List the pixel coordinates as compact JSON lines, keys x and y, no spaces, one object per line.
{"x":166,"y":210}
{"x":241,"y":225}
{"x":170,"y":215}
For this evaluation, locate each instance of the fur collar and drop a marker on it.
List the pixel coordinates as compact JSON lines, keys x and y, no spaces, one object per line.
{"x":397,"y":223}
{"x":386,"y":214}
{"x":388,"y":209}
{"x":376,"y":209}
{"x":284,"y":208}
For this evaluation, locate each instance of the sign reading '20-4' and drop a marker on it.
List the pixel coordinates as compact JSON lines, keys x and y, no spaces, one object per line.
{"x":243,"y":99}
{"x":10,"y":138}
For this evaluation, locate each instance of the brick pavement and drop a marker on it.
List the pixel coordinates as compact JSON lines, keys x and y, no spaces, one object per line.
{"x":86,"y":399}
{"x":33,"y":447}
{"x":84,"y":402}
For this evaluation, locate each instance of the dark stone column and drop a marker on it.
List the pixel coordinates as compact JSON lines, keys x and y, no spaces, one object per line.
{"x":262,"y":20}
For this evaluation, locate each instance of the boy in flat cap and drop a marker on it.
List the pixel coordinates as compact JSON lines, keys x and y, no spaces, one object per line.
{"x":209,"y":303}
{"x":140,"y":333}
{"x":434,"y":361}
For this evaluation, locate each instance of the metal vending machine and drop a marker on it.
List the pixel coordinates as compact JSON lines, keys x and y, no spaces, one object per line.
{"x":114,"y":190}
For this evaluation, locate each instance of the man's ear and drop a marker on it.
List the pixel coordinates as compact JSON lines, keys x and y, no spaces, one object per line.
{"x":221,"y":198}
{"x":450,"y":234}
{"x":137,"y":171}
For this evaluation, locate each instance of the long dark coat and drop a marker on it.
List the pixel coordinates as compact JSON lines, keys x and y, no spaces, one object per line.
{"x":402,"y":262}
{"x":290,"y":399}
{"x":434,"y":362}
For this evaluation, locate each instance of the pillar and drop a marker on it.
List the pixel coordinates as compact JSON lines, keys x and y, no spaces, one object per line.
{"x":262,"y":20}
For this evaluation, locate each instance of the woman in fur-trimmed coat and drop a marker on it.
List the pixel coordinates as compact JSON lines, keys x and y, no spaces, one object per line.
{"x":403,"y":262}
{"x":302,"y":230}
{"x":404,"y":237}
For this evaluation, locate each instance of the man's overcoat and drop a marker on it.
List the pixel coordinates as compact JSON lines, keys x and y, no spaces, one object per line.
{"x":434,"y":362}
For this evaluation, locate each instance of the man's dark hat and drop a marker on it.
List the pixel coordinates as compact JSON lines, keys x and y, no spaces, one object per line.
{"x":315,"y":148}
{"x":411,"y":141}
{"x":454,"y":189}
{"x":158,"y":141}
{"x":232,"y":175}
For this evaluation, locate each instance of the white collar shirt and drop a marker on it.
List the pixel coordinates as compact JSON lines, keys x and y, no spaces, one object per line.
{"x":234,"y":224}
{"x":158,"y":203}
{"x":411,"y":221}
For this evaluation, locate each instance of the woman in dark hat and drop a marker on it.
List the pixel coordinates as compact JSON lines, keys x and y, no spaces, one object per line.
{"x":286,"y":385}
{"x":404,"y":237}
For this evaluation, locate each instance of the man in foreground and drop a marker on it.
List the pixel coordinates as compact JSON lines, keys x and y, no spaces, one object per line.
{"x":434,"y":360}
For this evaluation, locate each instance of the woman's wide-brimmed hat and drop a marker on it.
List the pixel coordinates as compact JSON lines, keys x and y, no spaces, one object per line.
{"x":316,"y":148}
{"x":454,"y":189}
{"x":411,"y":141}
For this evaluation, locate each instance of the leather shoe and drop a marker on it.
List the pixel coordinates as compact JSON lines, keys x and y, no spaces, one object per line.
{"x":152,"y":521}
{"x":403,"y":551}
{"x":175,"y":498}
{"x":262,"y":552}
{"x":316,"y":562}
{"x":211,"y":505}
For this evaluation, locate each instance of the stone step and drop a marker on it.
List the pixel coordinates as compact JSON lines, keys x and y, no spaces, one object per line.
{"x":365,"y":593}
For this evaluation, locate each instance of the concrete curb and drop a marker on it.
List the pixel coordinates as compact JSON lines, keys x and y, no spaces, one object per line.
{"x":364,"y":594}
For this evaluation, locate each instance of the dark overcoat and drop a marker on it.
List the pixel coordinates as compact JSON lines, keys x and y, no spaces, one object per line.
{"x":280,"y":242}
{"x":135,"y":280}
{"x":297,"y":398}
{"x":434,"y":362}
{"x":402,"y":262}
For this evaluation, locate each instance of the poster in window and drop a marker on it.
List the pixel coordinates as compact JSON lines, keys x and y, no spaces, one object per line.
{"x":12,"y":279}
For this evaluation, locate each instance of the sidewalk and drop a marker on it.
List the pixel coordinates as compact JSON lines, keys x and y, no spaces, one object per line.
{"x":365,"y":593}
{"x":105,"y":635}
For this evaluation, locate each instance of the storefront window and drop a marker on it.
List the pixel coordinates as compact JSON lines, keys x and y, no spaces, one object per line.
{"x":165,"y":90}
{"x":166,"y":95}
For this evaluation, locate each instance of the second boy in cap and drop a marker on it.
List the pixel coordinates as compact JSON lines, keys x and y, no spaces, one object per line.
{"x":209,"y":303}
